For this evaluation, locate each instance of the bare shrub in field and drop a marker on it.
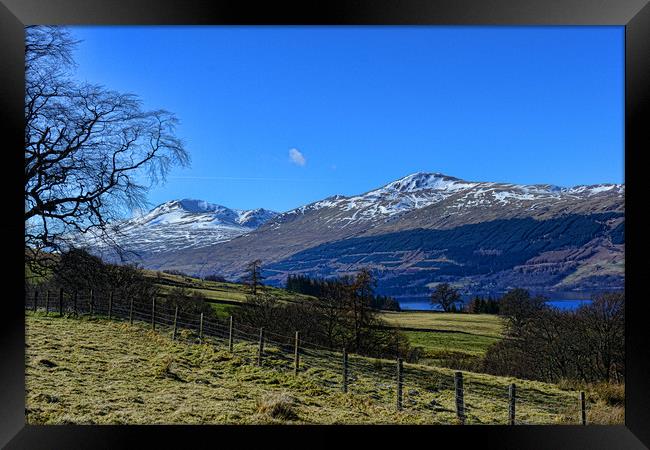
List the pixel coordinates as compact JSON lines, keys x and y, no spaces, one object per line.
{"x":341,"y":318}
{"x":602,"y":414}
{"x":612,"y":394}
{"x":278,"y":406}
{"x":541,"y":343}
{"x":167,"y":369}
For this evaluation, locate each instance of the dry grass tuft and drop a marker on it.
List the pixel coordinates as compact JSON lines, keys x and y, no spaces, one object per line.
{"x":278,"y":406}
{"x":602,"y":414}
{"x":610,"y":393}
{"x":167,"y":369}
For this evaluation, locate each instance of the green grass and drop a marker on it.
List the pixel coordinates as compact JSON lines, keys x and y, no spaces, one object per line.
{"x":439,"y":343}
{"x":216,"y":291}
{"x":96,"y":371}
{"x":479,"y":324}
{"x":448,"y":339}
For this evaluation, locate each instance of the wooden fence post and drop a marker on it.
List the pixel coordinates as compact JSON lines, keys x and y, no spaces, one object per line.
{"x":175,"y":323}
{"x":400,"y":380}
{"x":230,"y":335}
{"x":61,"y":301}
{"x":583,"y":408}
{"x":296,"y":354}
{"x":131,"y":311}
{"x":511,"y":411}
{"x":261,"y":348}
{"x":110,"y":305}
{"x":201,"y":328}
{"x":74,"y":303}
{"x":345,"y":370}
{"x":92,"y":302}
{"x":460,"y":402}
{"x":47,"y":301}
{"x":153,"y":314}
{"x":35,"y":300}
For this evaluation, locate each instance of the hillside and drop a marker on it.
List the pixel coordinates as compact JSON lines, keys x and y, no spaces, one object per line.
{"x":96,"y":371}
{"x":216,"y":291}
{"x":482,"y":257}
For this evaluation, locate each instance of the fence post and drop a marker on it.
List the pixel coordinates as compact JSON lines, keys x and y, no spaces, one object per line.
{"x":175,"y":322}
{"x":110,"y":305}
{"x":201,"y":328}
{"x":511,"y":411}
{"x":460,"y":403}
{"x":47,"y":301}
{"x":61,"y":301}
{"x":35,"y":299}
{"x":583,"y":408}
{"x":261,"y":348}
{"x":296,"y":354}
{"x":400,"y":379}
{"x":345,"y":370}
{"x":153,"y":313}
{"x":74,"y":303}
{"x":230,"y":335}
{"x":92,"y":302}
{"x":131,"y":311}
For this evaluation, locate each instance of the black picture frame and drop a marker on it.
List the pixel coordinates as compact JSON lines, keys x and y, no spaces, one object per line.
{"x":633,"y":14}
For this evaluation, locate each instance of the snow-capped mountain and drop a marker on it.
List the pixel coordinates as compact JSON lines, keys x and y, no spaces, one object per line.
{"x":412,"y":232}
{"x":459,"y":198}
{"x":429,"y":201}
{"x":185,"y":224}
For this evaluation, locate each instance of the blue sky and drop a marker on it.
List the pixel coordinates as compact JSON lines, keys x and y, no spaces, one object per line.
{"x":277,"y":117}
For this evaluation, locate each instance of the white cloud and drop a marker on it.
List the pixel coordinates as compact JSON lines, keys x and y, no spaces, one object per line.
{"x":296,"y":157}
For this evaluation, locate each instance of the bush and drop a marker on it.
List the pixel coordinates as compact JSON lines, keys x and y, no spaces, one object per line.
{"x":326,"y":322}
{"x":78,"y":270}
{"x":187,"y":301}
{"x":215,"y":277}
{"x":585,"y":345}
{"x":611,"y":393}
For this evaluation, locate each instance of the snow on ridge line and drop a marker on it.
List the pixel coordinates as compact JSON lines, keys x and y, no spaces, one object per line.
{"x":188,"y":210}
{"x":422,"y":189}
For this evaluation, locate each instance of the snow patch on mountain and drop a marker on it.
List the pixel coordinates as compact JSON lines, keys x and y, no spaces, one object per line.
{"x":421,"y":189}
{"x":181,"y":224}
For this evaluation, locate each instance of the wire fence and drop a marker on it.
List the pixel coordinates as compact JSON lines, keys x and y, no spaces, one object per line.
{"x":454,"y":397}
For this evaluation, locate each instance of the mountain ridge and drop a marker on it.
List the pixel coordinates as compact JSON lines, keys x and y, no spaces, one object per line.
{"x":419,"y":201}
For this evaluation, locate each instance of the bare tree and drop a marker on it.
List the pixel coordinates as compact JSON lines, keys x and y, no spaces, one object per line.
{"x":358,"y":304}
{"x":90,"y":153}
{"x":445,"y":296}
{"x":253,"y":277}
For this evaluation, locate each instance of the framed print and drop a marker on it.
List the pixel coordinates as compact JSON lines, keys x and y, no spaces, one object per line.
{"x":367,"y":217}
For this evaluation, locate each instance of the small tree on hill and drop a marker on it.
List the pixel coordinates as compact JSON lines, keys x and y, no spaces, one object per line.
{"x":253,"y":278}
{"x":445,"y":296}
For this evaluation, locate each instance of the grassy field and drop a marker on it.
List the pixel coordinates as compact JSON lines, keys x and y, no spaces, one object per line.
{"x":477,"y":324}
{"x":448,"y":338}
{"x":216,"y":290}
{"x":96,"y":371}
